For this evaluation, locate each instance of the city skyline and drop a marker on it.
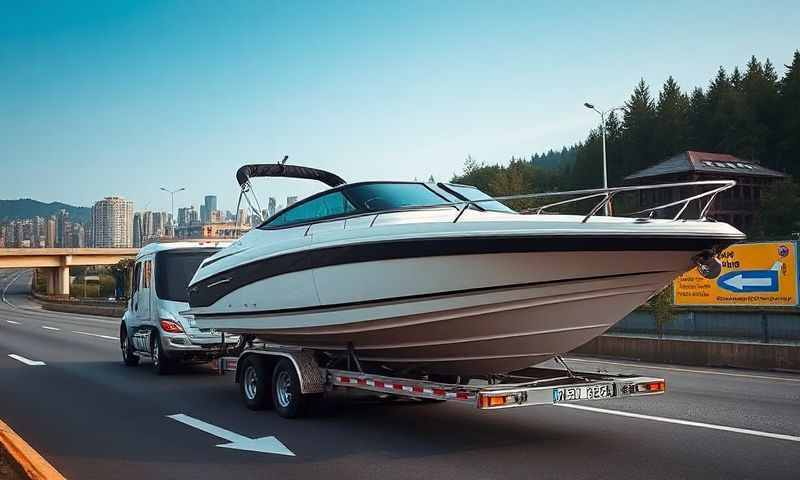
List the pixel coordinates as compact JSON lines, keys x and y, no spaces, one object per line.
{"x":366,"y":91}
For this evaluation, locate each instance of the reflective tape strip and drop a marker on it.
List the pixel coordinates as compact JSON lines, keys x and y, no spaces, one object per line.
{"x":433,"y":391}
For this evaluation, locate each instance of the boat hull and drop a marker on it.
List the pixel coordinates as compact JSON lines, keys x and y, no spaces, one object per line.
{"x":459,"y":314}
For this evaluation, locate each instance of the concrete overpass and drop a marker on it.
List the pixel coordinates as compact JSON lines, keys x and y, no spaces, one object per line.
{"x":58,"y":260}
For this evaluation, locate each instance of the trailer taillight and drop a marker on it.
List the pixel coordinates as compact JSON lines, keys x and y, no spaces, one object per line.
{"x":501,"y":400}
{"x":657,"y":386}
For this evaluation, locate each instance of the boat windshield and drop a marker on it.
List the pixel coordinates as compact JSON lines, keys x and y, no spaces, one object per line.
{"x":467,"y":192}
{"x":174,"y":271}
{"x":375,"y":197}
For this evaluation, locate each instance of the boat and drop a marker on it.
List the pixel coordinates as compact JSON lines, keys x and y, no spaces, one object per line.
{"x":443,"y":279}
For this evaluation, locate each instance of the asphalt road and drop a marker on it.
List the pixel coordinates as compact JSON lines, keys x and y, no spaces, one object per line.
{"x":91,"y":417}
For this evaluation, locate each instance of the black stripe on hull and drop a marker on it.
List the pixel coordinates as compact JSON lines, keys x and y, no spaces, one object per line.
{"x":424,"y":296}
{"x":202,"y":294}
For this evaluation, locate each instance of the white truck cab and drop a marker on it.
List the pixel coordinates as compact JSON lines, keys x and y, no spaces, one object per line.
{"x":152,"y":326}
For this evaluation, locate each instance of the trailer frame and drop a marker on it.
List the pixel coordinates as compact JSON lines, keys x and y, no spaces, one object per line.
{"x":528,"y":387}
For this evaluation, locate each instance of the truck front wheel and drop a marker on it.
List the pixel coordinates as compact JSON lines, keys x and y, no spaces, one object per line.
{"x":128,"y":356}
{"x":161,"y":363}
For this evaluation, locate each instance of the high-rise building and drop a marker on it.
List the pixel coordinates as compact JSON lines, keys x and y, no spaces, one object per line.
{"x":214,"y":216}
{"x":50,"y":233}
{"x":36,"y":232}
{"x":77,"y":236}
{"x":210,"y":201}
{"x":19,"y":233}
{"x":290,"y":200}
{"x":112,"y":220}
{"x":147,"y":225}
{"x":3,"y":236}
{"x":194,"y":218}
{"x":185,"y":216}
{"x":137,"y":230}
{"x":158,"y":225}
{"x":271,"y":206}
{"x":62,"y":229}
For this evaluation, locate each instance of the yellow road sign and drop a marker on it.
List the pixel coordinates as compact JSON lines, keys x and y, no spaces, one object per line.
{"x":753,"y":274}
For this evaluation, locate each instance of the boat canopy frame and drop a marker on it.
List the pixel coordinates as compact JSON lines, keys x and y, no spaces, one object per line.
{"x":246,"y":172}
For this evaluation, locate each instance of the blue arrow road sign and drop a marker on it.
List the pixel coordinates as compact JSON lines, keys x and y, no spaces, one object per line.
{"x":740,"y":281}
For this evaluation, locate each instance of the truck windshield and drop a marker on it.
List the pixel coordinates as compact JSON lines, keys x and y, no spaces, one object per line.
{"x":174,"y":270}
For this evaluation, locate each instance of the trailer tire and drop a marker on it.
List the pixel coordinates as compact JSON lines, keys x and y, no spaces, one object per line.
{"x":289,"y":401}
{"x":254,"y":386}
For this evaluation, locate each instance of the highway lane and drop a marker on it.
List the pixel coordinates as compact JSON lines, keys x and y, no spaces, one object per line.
{"x":91,"y":417}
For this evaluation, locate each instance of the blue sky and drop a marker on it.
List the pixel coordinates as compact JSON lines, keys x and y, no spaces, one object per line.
{"x":102,"y":98}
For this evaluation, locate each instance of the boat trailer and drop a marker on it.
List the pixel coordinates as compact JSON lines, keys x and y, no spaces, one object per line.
{"x":531,"y":386}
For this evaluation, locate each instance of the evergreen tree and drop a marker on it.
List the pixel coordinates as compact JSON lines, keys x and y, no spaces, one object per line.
{"x":697,"y":121}
{"x":637,"y":135}
{"x":672,"y":120}
{"x":720,"y":114}
{"x":788,"y":143}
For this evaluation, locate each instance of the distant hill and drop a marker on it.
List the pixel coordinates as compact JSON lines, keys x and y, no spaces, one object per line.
{"x":28,"y":208}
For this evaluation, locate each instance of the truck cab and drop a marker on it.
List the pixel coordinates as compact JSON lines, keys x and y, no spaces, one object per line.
{"x":153,"y":326}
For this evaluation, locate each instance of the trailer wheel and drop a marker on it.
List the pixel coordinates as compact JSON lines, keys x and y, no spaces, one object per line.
{"x":254,"y":385}
{"x":289,"y":401}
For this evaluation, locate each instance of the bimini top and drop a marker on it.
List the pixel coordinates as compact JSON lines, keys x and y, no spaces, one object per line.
{"x":291,"y":171}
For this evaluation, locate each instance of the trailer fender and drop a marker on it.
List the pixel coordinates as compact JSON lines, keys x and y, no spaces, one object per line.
{"x":312,"y":379}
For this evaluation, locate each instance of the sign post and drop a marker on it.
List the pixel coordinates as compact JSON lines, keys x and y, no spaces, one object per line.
{"x":753,"y":274}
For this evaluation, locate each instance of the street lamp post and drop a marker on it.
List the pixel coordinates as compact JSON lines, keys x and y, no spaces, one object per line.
{"x":603,"y":134}
{"x":172,"y":205}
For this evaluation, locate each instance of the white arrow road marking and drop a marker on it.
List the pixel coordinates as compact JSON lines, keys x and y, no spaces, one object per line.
{"x":50,"y":328}
{"x":12,"y":322}
{"x":26,"y":361}
{"x":238,"y":442}
{"x":746,"y":431}
{"x":739,"y":282}
{"x":107,"y":337}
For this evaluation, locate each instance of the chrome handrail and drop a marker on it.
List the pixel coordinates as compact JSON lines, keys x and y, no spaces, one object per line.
{"x":585,"y":194}
{"x":609,"y":193}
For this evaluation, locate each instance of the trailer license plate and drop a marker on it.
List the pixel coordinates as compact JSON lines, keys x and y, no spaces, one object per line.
{"x":585,"y":392}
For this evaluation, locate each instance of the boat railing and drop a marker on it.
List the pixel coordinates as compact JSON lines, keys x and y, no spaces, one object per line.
{"x":605,"y":195}
{"x":608,"y":195}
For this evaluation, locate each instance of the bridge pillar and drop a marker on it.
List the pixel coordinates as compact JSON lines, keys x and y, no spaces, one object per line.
{"x":62,"y":281}
{"x":51,"y":280}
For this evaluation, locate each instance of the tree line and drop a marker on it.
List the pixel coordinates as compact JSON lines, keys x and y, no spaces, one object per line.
{"x":752,"y":113}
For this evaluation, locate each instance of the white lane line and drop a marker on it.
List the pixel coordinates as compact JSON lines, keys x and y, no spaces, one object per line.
{"x":50,"y":328}
{"x":12,"y":322}
{"x":688,"y":423}
{"x":108,"y":337}
{"x":26,"y":361}
{"x":686,"y":370}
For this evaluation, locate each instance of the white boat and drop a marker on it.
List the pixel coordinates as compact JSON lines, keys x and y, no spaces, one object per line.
{"x":441,"y":278}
